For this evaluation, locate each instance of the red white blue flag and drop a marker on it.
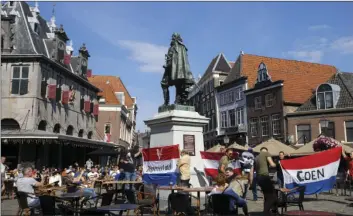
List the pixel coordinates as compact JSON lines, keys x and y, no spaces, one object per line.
{"x":317,"y":172}
{"x":211,"y":163}
{"x":160,"y":165}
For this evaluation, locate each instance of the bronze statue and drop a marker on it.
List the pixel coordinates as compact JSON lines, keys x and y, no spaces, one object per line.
{"x":177,"y":71}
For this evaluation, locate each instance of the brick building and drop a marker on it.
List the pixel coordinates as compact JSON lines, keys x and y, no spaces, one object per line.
{"x":117,"y":110}
{"x":276,"y":87}
{"x":328,"y":111}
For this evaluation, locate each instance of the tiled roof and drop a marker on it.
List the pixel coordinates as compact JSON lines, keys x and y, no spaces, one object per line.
{"x":107,"y":93}
{"x":345,"y":82}
{"x":300,"y":78}
{"x":116,"y":84}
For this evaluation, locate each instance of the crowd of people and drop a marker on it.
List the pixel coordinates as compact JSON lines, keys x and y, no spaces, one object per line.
{"x":254,"y":171}
{"x":26,"y":178}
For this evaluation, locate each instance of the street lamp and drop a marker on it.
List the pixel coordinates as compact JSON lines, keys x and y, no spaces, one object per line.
{"x":226,"y":140}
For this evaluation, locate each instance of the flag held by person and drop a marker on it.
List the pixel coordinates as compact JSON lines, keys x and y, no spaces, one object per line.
{"x":160,"y":165}
{"x":211,"y":163}
{"x":316,"y":172}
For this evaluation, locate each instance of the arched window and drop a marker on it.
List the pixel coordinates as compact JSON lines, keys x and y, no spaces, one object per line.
{"x":262,"y":73}
{"x":89,"y":135}
{"x":327,"y":96}
{"x":70,"y":130}
{"x":42,"y":125}
{"x":10,"y":124}
{"x":80,"y":133}
{"x":57,"y":128}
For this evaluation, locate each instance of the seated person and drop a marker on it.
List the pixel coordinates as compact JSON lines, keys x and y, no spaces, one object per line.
{"x":56,"y":177}
{"x":115,"y":173}
{"x":26,"y":184}
{"x":236,"y":188}
{"x":93,"y":174}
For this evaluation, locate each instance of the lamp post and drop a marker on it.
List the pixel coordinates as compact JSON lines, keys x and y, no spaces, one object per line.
{"x":226,"y":140}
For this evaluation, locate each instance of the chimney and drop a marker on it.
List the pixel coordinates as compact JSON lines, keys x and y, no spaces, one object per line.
{"x":89,"y":73}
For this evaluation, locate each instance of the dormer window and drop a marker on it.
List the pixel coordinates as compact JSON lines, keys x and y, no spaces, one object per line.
{"x":262,"y":73}
{"x":327,"y":96}
{"x":61,"y":51}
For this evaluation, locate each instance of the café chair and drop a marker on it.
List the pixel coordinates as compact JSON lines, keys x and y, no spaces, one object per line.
{"x":219,"y":205}
{"x":180,"y":204}
{"x":105,"y":200}
{"x":47,"y":205}
{"x":147,"y":198}
{"x":24,"y":209}
{"x":286,"y":199}
{"x":9,"y":189}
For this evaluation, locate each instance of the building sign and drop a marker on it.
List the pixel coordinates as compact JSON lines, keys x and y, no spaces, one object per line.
{"x":189,"y":144}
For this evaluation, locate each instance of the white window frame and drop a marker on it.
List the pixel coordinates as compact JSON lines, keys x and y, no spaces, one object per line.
{"x":276,"y":124}
{"x":240,"y":115}
{"x":264,"y":125}
{"x":20,"y":79}
{"x":325,"y":97}
{"x":297,"y":130}
{"x":254,"y":127}
{"x":238,"y":93}
{"x":345,"y":130}
{"x":269,"y":100}
{"x":230,"y":118}
{"x":224,"y":117}
{"x":257,"y":102}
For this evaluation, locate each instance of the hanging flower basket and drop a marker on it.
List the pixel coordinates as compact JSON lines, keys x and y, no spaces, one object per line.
{"x":323,"y":143}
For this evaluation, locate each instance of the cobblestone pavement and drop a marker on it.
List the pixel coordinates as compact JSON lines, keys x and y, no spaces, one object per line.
{"x":324,"y":202}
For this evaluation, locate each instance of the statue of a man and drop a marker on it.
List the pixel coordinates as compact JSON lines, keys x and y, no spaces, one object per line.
{"x":177,"y":71}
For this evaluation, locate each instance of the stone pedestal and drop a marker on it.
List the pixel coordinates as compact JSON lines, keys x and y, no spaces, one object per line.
{"x":170,"y":125}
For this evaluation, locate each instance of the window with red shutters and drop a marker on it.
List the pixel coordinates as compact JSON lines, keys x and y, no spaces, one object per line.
{"x":96,"y":109}
{"x":65,"y":97}
{"x":52,"y":91}
{"x":87,"y":106}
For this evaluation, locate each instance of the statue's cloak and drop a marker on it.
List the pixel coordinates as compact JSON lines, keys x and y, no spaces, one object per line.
{"x":177,"y":68}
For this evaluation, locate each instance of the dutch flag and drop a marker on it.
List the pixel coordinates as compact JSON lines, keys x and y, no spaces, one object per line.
{"x":160,"y":165}
{"x":317,"y":172}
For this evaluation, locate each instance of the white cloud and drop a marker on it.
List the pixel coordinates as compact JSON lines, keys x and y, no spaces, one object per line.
{"x":319,"y":27}
{"x":150,"y":57}
{"x":344,"y":45}
{"x":311,"y":56}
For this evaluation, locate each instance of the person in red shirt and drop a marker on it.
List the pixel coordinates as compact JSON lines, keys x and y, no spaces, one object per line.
{"x":349,"y":160}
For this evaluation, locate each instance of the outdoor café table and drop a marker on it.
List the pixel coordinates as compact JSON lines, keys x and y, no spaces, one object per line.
{"x":118,"y":207}
{"x":308,"y":212}
{"x":75,"y":197}
{"x":198,"y":190}
{"x":120,"y":182}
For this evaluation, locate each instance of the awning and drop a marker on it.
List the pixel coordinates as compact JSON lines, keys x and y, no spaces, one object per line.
{"x":236,"y":146}
{"x":105,"y":152}
{"x":216,"y":148}
{"x":308,"y":148}
{"x":38,"y":135}
{"x":274,"y":147}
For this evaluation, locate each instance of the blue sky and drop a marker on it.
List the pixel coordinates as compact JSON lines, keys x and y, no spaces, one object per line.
{"x":129,"y":39}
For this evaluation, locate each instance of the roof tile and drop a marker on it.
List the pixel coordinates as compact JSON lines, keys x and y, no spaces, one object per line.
{"x":116,"y":84}
{"x":300,"y":78}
